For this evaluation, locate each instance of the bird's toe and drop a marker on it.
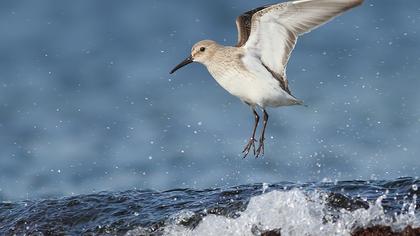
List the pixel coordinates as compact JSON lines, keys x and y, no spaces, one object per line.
{"x":260,"y":150}
{"x":248,"y":146}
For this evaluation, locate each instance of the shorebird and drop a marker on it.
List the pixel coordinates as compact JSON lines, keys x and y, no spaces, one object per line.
{"x":255,"y":69}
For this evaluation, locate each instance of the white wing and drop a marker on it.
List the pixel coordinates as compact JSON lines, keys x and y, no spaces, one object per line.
{"x":275,"y":29}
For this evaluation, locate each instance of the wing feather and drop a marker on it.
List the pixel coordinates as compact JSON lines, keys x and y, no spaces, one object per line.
{"x":275,"y":29}
{"x":243,"y":24}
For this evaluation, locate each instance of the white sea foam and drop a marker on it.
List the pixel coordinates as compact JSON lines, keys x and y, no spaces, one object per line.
{"x":295,"y":213}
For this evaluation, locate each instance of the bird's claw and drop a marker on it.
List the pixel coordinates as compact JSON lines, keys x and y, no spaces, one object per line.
{"x":248,"y":146}
{"x":260,"y":150}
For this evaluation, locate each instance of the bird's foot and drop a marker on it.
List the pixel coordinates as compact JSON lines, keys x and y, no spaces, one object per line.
{"x":248,"y":146}
{"x":260,"y":150}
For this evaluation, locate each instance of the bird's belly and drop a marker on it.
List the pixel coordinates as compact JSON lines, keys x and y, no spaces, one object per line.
{"x":253,"y":90}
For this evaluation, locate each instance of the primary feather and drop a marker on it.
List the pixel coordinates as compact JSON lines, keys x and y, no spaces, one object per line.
{"x":274,"y":29}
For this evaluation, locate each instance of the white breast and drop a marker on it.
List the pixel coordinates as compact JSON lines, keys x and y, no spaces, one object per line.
{"x":249,"y":80}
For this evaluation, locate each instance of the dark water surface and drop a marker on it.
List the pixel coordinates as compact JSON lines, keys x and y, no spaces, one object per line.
{"x":87,"y":104}
{"x":296,"y":208}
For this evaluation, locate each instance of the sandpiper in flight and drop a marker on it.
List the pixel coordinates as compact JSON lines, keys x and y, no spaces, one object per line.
{"x":255,"y":69}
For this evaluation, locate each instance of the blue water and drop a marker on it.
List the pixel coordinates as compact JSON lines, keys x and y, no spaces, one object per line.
{"x":87,"y":104}
{"x":328,"y":208}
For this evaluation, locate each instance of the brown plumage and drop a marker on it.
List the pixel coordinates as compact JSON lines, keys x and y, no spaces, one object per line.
{"x":243,"y":23}
{"x":255,"y":70}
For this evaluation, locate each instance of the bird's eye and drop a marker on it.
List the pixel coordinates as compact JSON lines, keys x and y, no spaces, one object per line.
{"x":202,"y":49}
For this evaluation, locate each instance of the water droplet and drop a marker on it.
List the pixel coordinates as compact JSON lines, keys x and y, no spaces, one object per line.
{"x":264,"y":187}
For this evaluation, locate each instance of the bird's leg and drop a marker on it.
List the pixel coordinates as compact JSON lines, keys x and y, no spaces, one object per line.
{"x":251,"y":142}
{"x":260,"y":150}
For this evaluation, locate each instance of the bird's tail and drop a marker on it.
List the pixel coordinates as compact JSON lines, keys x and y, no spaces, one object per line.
{"x":300,"y":103}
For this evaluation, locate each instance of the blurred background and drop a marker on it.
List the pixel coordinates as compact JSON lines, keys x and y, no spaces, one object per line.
{"x":87,"y":103}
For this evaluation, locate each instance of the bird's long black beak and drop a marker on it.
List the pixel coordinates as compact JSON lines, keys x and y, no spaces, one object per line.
{"x":182,"y":64}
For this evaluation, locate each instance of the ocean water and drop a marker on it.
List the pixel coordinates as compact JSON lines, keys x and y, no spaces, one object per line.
{"x":326,"y":208}
{"x":96,"y":138}
{"x":87,"y":104}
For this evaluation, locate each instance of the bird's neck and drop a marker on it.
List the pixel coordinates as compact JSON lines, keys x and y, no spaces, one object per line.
{"x":222,"y":55}
{"x":224,"y":60}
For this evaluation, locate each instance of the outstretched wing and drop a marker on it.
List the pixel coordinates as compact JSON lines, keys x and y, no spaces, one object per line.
{"x":274,"y":29}
{"x":243,"y":23}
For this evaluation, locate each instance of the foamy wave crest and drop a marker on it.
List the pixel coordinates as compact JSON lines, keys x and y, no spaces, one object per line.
{"x":293,"y":212}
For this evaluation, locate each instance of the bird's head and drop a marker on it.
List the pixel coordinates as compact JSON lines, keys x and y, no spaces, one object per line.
{"x":200,"y":52}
